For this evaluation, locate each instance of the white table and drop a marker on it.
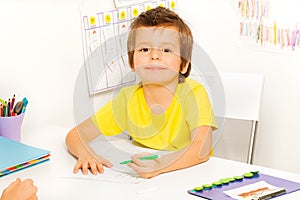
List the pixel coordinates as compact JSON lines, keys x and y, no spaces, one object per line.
{"x":173,"y":185}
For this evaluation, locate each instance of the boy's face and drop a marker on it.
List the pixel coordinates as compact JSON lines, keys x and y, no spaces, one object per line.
{"x":157,"y":54}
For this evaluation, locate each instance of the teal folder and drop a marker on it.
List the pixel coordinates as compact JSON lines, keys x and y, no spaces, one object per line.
{"x":15,"y":156}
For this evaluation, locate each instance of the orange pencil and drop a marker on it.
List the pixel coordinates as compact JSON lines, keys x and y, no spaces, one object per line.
{"x":1,"y":110}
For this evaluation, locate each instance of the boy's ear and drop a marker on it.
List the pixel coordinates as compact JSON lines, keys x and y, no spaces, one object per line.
{"x":185,"y":68}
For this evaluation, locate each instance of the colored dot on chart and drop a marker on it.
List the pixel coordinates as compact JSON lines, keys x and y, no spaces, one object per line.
{"x":172,"y":5}
{"x":107,"y":18}
{"x":122,"y":15}
{"x":135,"y":12}
{"x":148,"y":7}
{"x":92,"y":20}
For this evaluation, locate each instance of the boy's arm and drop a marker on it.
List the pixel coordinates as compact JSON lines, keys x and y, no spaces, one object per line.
{"x":196,"y":152}
{"x":77,"y":142}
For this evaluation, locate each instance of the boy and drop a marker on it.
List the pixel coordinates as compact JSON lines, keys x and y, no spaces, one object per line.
{"x":165,"y":111}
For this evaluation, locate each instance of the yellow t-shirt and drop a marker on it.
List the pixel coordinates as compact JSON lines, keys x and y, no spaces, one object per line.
{"x":129,"y":112}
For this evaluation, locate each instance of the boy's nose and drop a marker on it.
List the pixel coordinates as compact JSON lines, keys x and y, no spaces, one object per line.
{"x":155,"y":54}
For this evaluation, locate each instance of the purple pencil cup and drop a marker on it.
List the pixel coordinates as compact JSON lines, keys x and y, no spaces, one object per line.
{"x":10,"y":127}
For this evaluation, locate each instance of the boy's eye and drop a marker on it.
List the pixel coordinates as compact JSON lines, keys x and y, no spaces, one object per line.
{"x":166,"y":50}
{"x":144,"y":49}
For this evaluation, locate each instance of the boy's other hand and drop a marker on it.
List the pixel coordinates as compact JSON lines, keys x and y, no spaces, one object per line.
{"x":95,"y":165}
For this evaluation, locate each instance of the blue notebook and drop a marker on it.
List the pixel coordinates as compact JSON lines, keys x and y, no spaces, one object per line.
{"x":15,"y":156}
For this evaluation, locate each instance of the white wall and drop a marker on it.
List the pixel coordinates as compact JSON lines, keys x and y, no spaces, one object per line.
{"x":216,"y":27}
{"x":41,"y":54}
{"x":41,"y":57}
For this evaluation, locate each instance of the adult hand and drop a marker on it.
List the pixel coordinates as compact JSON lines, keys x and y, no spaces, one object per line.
{"x":20,"y":190}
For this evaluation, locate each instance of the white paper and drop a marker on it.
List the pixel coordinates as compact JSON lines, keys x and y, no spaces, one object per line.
{"x":116,"y":150}
{"x":248,"y":192}
{"x":109,"y":175}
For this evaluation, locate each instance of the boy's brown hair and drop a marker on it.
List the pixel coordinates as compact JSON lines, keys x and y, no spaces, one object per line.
{"x":163,"y":17}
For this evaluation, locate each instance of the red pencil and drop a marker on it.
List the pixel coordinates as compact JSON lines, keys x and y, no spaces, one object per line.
{"x":12,"y":113}
{"x":13,"y":102}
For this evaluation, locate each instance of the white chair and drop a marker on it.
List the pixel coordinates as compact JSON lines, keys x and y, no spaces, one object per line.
{"x":243,"y":94}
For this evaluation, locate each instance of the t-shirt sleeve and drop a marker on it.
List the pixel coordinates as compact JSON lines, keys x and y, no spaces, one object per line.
{"x":199,"y":111}
{"x":110,"y":119}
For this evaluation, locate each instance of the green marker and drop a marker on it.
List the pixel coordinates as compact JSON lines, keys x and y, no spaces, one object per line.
{"x":143,"y":158}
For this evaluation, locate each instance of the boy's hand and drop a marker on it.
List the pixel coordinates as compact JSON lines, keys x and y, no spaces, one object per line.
{"x":95,"y":165}
{"x":145,"y":168}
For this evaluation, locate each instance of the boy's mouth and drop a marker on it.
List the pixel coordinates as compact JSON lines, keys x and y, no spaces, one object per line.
{"x":155,"y":68}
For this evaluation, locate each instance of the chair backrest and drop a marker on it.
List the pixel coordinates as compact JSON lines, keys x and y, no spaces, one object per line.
{"x":243,"y":94}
